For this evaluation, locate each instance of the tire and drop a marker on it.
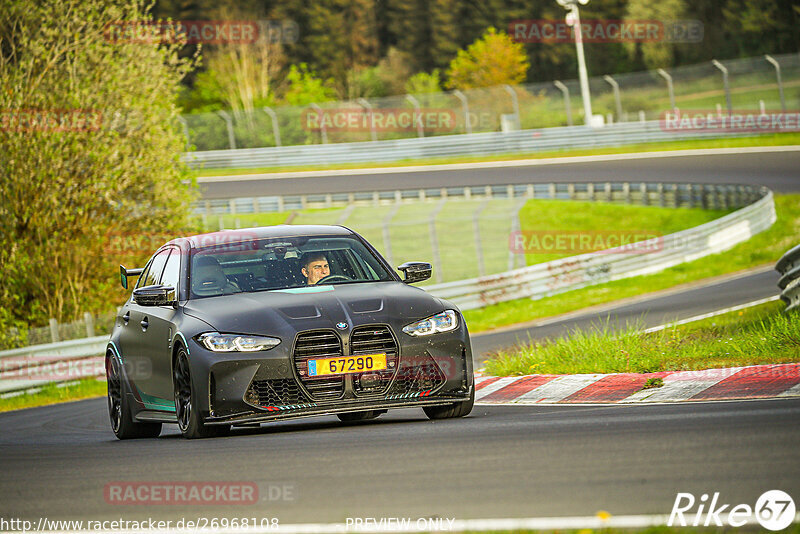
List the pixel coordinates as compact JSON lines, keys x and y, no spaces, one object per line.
{"x":190,"y":420}
{"x":360,"y":416}
{"x":119,"y":408}
{"x":451,"y":411}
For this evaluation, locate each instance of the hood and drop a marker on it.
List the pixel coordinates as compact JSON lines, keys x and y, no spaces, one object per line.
{"x":283,"y":312}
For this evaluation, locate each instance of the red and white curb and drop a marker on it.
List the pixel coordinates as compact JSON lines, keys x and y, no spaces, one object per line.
{"x":753,"y":382}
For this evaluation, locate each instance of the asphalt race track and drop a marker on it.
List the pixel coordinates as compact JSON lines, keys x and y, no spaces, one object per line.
{"x":501,"y":461}
{"x":777,"y":170}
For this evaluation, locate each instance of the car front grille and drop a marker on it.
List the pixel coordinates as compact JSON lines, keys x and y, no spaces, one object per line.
{"x":278,"y":392}
{"x":374,"y":340}
{"x":318,"y":344}
{"x":417,"y":375}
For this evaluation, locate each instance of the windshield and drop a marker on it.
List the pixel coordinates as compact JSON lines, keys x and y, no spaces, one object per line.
{"x":282,"y":263}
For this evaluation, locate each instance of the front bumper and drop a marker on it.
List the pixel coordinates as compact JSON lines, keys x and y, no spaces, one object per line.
{"x":314,"y":409}
{"x":266,"y":386}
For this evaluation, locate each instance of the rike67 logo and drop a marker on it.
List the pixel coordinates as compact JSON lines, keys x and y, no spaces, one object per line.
{"x":774,"y":510}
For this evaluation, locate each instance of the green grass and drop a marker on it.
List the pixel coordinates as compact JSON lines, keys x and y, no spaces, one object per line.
{"x":553,"y":218}
{"x":762,"y":249}
{"x":52,"y":394}
{"x":760,"y":140}
{"x":759,"y":335}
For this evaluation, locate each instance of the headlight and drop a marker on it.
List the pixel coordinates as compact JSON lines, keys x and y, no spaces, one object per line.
{"x":236,"y":342}
{"x":441,"y":322}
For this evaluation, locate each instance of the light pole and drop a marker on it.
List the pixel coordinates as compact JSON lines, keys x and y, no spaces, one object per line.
{"x":574,"y":20}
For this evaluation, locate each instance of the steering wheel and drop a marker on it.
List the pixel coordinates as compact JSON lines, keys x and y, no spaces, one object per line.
{"x":334,"y":278}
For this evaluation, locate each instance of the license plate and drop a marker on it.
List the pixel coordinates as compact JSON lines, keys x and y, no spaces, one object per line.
{"x":347,"y":364}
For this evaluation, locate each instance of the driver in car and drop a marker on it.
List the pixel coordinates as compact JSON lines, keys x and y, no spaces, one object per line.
{"x":315,"y":267}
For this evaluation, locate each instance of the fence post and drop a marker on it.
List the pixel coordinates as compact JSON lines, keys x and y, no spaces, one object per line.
{"x":477,"y":231}
{"x":664,"y":74}
{"x":565,"y":90}
{"x":778,"y":76}
{"x":437,"y":259}
{"x":724,"y":71}
{"x":515,"y":227}
{"x":322,"y":128}
{"x":185,"y":126}
{"x":515,"y":103}
{"x":417,"y":115}
{"x":463,"y":98}
{"x":387,"y":242}
{"x":54,"y":330}
{"x":366,"y":105}
{"x":229,"y":123}
{"x":615,"y":86}
{"x":88,"y":318}
{"x":276,"y":131}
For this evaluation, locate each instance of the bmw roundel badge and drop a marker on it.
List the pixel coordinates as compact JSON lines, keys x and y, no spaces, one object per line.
{"x":341,"y":326}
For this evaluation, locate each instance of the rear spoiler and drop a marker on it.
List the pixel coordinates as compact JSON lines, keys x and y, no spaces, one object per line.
{"x":125,"y":273}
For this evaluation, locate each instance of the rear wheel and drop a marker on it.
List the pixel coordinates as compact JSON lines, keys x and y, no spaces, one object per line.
{"x":450,"y":411}
{"x":190,"y":421}
{"x":360,"y":416}
{"x":119,"y":408}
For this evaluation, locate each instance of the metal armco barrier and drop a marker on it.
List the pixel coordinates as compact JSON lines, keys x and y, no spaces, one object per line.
{"x":33,"y":366}
{"x":545,"y":279}
{"x":789,"y":267}
{"x":524,"y":141}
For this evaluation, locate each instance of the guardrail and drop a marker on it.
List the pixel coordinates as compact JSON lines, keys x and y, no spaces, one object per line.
{"x":789,"y":267}
{"x":478,"y":144}
{"x":35,"y":365}
{"x":545,"y":279}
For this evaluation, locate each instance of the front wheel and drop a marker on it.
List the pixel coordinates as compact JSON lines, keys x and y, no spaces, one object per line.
{"x":450,"y":411}
{"x":190,"y":421}
{"x":119,"y":408}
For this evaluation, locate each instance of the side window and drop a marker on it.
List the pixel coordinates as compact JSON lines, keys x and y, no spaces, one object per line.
{"x":172,"y":270}
{"x":153,"y":275}
{"x":143,"y":276}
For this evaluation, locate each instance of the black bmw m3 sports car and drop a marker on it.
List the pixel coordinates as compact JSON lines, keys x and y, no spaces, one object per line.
{"x":263,"y":324}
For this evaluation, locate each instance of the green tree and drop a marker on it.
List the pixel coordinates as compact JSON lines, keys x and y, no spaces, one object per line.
{"x":424,"y":83}
{"x":493,"y":59}
{"x":304,"y":87}
{"x":656,"y":54}
{"x":89,"y":153}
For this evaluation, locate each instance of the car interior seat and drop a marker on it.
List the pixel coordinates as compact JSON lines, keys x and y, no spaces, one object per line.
{"x":208,"y":278}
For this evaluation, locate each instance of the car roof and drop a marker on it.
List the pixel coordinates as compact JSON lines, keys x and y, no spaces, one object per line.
{"x":262,"y":232}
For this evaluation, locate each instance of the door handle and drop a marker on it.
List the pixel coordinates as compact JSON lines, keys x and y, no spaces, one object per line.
{"x":144,"y":323}
{"x":127,"y":316}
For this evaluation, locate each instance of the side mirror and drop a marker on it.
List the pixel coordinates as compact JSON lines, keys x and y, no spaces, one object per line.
{"x":415,"y":271}
{"x":125,"y":273}
{"x":154,"y":296}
